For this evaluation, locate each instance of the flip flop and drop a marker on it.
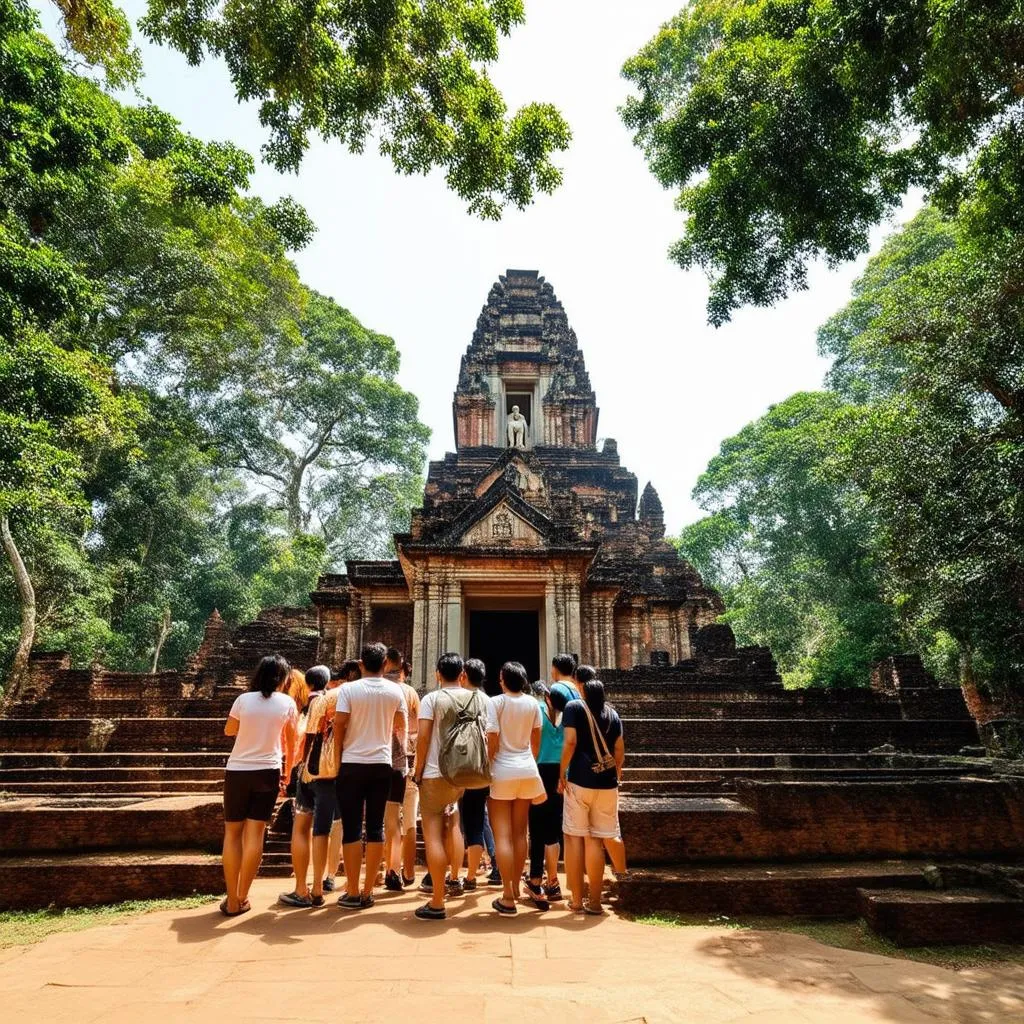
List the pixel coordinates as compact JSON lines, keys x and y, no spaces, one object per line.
{"x":503,"y":908}
{"x":593,"y":911}
{"x":242,"y":909}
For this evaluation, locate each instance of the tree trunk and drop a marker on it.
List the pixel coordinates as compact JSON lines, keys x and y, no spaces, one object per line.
{"x":164,"y":630}
{"x":293,"y":502}
{"x":27,"y":594}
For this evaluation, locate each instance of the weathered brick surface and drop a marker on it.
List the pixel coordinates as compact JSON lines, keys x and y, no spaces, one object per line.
{"x":167,"y":823}
{"x":806,"y":821}
{"x":32,"y":882}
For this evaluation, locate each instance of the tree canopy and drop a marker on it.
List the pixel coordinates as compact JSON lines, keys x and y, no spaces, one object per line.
{"x":141,"y":286}
{"x":791,"y":128}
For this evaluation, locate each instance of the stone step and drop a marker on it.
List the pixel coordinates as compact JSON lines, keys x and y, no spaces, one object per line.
{"x":110,"y":776}
{"x":128,"y":706}
{"x":791,"y":704}
{"x":805,"y":890}
{"x":796,"y":735}
{"x":89,"y":879}
{"x":910,"y":917}
{"x":72,"y":787}
{"x":156,"y":759}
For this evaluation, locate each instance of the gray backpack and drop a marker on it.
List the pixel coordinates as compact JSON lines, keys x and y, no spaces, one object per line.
{"x":462,"y":740}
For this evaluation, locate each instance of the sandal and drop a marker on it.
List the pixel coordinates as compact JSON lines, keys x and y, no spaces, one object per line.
{"x":503,"y":908}
{"x":347,"y":902}
{"x":293,"y":899}
{"x":429,"y":913}
{"x":597,"y":911}
{"x":243,"y":908}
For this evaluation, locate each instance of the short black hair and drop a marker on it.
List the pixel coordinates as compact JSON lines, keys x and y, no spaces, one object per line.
{"x":318,"y":677}
{"x":269,"y":674}
{"x":540,"y":689}
{"x":373,"y":657}
{"x":407,"y":669}
{"x":348,"y":669}
{"x":514,"y":676}
{"x":450,"y":666}
{"x":476,"y":671}
{"x":565,"y":663}
{"x":584,"y":673}
{"x":395,"y":656}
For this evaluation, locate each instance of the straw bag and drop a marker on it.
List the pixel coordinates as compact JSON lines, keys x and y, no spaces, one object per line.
{"x":603,"y":760}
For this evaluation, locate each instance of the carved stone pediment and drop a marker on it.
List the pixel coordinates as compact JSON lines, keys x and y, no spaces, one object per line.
{"x":527,"y":481}
{"x":502,"y":527}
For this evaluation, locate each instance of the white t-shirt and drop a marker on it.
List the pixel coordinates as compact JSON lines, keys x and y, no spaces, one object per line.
{"x":371,"y":704}
{"x":431,"y":770}
{"x":260,"y":721}
{"x":513,"y":717}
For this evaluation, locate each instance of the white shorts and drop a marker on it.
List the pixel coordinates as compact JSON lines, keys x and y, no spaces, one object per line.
{"x":528,"y":788}
{"x":410,"y":805}
{"x":590,"y":812}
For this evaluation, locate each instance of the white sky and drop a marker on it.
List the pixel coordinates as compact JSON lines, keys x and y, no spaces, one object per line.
{"x":404,"y":256}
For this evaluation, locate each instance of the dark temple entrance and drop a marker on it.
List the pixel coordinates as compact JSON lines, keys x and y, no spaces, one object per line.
{"x":499,"y":636}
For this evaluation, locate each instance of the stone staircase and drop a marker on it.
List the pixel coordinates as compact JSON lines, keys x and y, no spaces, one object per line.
{"x":734,"y":792}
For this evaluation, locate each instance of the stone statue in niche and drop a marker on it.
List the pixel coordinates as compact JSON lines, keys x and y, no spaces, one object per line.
{"x":516,"y":429}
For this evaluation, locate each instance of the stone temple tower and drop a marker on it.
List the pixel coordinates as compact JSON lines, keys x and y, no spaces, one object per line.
{"x":530,"y":540}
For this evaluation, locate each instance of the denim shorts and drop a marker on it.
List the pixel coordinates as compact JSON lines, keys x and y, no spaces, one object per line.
{"x":319,"y":798}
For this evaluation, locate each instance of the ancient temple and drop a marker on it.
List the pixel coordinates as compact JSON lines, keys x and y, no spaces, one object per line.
{"x":531,"y":539}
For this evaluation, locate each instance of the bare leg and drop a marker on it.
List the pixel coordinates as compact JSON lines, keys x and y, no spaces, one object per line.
{"x":392,"y":835}
{"x":595,"y":871}
{"x":437,"y":855}
{"x":353,"y":854}
{"x":232,"y":857}
{"x":500,"y":812}
{"x":616,"y":854}
{"x":252,"y":854}
{"x":334,"y":850}
{"x":301,"y":828}
{"x":574,"y":868}
{"x":374,"y":856}
{"x":320,"y":845}
{"x":409,"y":852}
{"x":520,"y":843}
{"x":551,"y":862}
{"x":456,"y":844}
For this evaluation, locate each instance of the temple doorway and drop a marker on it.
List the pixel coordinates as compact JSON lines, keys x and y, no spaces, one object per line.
{"x":499,"y":636}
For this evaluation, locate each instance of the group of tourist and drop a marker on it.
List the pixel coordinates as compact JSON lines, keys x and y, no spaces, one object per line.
{"x":518,"y":777}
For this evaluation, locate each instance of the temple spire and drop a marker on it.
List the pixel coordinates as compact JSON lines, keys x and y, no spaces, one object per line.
{"x":652,"y":515}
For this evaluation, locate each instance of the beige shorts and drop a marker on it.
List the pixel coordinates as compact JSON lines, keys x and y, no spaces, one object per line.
{"x":517,"y":789}
{"x":437,"y":794}
{"x":410,"y":805}
{"x":590,"y":812}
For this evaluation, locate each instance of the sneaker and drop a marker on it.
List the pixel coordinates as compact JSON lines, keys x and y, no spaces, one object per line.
{"x":494,"y":878}
{"x":534,"y":890}
{"x":554,"y":892}
{"x":392,"y":882}
{"x":328,"y":884}
{"x":293,"y":899}
{"x":452,"y":887}
{"x":318,"y":901}
{"x":406,"y":882}
{"x":469,"y":885}
{"x":429,"y":913}
{"x":427,"y":884}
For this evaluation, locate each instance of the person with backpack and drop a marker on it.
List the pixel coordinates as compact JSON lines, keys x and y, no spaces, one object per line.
{"x":451,"y":756}
{"x":593,"y":753}
{"x":513,"y":741}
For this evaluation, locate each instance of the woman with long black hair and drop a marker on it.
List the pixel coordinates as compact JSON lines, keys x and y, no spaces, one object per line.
{"x":263,"y":723}
{"x":593,"y":753}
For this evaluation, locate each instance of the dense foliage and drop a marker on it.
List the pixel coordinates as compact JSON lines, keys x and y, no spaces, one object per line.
{"x":411,"y":72}
{"x":146,"y":297}
{"x":889,"y":512}
{"x":791,"y":127}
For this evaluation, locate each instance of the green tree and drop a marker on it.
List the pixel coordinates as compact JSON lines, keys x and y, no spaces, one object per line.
{"x":412,"y":72}
{"x":327,"y":429}
{"x":791,"y":127}
{"x":789,"y":541}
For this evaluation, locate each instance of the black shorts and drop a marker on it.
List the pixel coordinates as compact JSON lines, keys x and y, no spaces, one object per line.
{"x":363,"y":789}
{"x":251,"y":794}
{"x":471,"y":813}
{"x":396,"y":794}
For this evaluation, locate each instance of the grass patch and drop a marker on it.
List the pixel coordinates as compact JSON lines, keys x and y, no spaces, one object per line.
{"x":24,"y":927}
{"x":855,"y":935}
